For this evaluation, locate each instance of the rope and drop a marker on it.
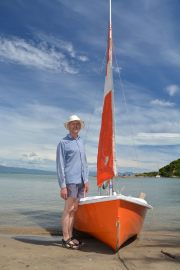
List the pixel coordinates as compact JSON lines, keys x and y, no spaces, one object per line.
{"x":121,"y":86}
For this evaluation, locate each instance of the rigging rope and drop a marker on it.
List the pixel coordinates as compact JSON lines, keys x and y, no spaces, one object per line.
{"x":121,"y":86}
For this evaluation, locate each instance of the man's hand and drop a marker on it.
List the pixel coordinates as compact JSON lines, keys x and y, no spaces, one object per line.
{"x":63,"y":193}
{"x":86,"y":187}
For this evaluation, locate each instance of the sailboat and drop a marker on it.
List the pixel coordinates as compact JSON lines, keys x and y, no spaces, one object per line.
{"x":112,"y":218}
{"x":158,"y":173}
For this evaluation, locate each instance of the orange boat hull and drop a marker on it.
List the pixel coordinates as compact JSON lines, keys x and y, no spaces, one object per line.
{"x":112,"y":222}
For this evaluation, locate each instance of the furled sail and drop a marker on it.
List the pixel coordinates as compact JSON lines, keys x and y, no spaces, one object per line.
{"x":106,"y":161}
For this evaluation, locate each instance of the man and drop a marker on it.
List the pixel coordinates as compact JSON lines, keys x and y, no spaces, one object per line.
{"x":72,"y":172}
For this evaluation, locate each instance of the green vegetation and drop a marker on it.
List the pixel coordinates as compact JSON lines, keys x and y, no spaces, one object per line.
{"x":171,"y":170}
{"x":148,"y":174}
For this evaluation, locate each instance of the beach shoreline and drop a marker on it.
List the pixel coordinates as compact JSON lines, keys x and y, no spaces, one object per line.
{"x":40,"y":248}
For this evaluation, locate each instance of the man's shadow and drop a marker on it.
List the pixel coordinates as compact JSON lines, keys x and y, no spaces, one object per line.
{"x":89,"y":244}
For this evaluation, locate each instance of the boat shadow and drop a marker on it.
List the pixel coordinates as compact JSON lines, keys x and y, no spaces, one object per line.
{"x":128,"y":242}
{"x":89,"y":245}
{"x":51,"y":235}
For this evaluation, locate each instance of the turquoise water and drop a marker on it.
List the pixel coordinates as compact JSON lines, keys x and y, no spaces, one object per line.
{"x":33,"y":200}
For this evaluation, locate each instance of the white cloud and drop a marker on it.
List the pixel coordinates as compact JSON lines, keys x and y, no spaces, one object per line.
{"x":172,"y":89}
{"x":59,"y":44}
{"x":158,"y":138}
{"x":26,"y":53}
{"x":162,"y":103}
{"x":149,"y":139}
{"x":83,"y":58}
{"x":32,"y":157}
{"x":31,"y":134}
{"x":144,"y":30}
{"x":172,"y":55}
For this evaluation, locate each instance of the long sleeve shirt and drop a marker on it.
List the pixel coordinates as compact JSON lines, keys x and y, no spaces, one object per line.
{"x":71,"y":162}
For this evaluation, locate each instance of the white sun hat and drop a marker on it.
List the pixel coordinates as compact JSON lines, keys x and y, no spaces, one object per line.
{"x":74,"y":118}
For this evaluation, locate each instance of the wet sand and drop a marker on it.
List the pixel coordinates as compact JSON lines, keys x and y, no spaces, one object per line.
{"x":38,"y":248}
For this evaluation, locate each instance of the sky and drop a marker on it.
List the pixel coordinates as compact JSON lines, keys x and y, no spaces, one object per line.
{"x":52,"y":65}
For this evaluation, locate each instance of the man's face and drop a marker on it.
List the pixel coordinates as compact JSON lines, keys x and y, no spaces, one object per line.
{"x":74,"y":127}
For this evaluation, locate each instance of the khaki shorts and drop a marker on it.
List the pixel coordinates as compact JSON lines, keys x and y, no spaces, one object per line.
{"x":75,"y":190}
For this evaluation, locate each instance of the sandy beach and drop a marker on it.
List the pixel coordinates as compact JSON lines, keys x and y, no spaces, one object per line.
{"x":37,"y":248}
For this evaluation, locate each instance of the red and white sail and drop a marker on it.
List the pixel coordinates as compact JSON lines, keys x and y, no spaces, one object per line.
{"x":106,"y":161}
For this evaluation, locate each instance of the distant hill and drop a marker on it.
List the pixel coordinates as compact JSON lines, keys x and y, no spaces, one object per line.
{"x":5,"y":169}
{"x":170,"y":170}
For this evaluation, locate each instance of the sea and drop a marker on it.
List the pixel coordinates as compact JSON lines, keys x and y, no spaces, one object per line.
{"x":28,"y":200}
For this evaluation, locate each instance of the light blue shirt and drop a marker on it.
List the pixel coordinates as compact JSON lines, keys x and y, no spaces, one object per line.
{"x":71,"y":162}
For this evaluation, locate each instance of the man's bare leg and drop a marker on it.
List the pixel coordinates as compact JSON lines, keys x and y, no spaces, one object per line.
{"x":68,"y":217}
{"x":72,"y":216}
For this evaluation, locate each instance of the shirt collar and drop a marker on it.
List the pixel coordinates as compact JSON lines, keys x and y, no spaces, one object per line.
{"x":70,"y":137}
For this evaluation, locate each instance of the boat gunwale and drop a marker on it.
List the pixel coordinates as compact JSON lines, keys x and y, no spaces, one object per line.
{"x":96,"y":199}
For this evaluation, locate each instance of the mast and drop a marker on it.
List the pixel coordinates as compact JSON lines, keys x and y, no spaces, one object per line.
{"x":111,"y":190}
{"x":106,"y":161}
{"x":110,"y":21}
